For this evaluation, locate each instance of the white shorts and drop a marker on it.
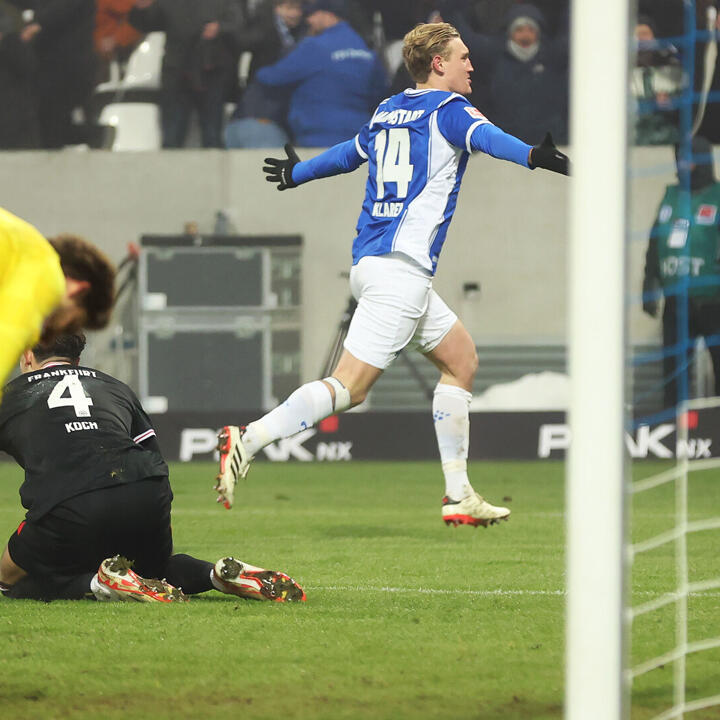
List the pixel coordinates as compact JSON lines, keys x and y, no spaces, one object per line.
{"x":397,"y":308}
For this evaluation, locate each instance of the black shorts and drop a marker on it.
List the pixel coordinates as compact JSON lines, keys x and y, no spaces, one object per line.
{"x":132,"y":520}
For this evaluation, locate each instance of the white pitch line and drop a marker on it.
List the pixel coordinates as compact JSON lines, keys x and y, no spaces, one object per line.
{"x":482,"y":593}
{"x":433,"y":591}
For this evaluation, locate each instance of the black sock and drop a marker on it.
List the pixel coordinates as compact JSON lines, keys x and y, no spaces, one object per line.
{"x":189,"y":573}
{"x":58,"y":587}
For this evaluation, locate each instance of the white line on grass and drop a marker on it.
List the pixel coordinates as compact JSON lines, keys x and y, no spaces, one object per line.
{"x":434,"y":591}
{"x":484,"y":593}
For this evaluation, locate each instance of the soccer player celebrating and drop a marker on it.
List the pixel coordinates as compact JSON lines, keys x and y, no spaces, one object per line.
{"x":49,"y":286}
{"x":96,"y":492}
{"x":417,"y":146}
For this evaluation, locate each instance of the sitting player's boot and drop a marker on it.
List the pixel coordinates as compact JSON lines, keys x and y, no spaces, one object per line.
{"x":472,"y":510}
{"x":234,"y":463}
{"x":115,"y":580}
{"x":237,"y":578}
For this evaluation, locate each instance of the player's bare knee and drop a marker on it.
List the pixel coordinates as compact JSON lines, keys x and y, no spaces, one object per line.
{"x":464,"y":371}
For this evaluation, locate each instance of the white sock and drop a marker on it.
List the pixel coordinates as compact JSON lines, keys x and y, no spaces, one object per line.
{"x":101,"y":593}
{"x":214,"y":581}
{"x":451,"y":415}
{"x":308,"y":405}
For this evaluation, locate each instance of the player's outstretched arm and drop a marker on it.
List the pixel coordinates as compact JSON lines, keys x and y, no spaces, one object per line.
{"x":547,"y":156}
{"x":291,"y":171}
{"x":464,"y":126}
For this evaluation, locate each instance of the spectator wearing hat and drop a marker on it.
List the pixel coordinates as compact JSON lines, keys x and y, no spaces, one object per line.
{"x":527,"y":71}
{"x":334,"y":78}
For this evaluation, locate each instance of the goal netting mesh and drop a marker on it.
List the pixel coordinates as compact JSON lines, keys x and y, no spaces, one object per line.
{"x":672,"y":615}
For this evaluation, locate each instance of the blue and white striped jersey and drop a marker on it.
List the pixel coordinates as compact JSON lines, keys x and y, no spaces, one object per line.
{"x":417,"y":145}
{"x":414,"y":174}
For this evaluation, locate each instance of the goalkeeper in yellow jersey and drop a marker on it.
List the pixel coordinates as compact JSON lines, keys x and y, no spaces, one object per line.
{"x":48,"y":286}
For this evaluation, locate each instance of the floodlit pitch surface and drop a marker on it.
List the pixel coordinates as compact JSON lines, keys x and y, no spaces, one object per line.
{"x":405,"y":618}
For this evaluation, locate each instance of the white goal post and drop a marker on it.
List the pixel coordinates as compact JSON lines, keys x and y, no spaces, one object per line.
{"x":595,"y":504}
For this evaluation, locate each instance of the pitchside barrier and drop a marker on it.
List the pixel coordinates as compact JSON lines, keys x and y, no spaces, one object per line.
{"x":410,"y":436}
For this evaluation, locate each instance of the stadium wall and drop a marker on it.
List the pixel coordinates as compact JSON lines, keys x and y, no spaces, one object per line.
{"x":508,"y":235}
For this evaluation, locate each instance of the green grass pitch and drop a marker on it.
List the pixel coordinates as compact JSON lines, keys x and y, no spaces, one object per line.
{"x":405,"y":618}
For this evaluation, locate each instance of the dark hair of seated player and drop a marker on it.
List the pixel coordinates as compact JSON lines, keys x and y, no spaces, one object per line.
{"x":68,"y":346}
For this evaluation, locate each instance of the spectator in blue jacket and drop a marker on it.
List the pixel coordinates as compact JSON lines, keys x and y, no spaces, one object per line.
{"x":336,"y":79}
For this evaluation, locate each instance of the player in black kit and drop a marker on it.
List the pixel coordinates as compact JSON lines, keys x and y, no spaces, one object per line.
{"x":97,"y":492}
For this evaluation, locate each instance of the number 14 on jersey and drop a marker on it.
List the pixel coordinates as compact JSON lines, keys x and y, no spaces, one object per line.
{"x":392,"y":157}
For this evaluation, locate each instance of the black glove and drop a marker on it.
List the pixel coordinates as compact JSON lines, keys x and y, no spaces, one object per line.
{"x":280,"y":171}
{"x":549,"y":157}
{"x":650,"y":307}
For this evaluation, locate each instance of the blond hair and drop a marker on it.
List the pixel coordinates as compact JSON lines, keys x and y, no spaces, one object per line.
{"x":422,"y":44}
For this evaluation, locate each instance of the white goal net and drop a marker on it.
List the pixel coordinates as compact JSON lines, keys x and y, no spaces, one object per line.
{"x":643,"y":471}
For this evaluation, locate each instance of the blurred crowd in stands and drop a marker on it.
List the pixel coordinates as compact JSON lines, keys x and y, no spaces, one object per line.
{"x":259,"y":73}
